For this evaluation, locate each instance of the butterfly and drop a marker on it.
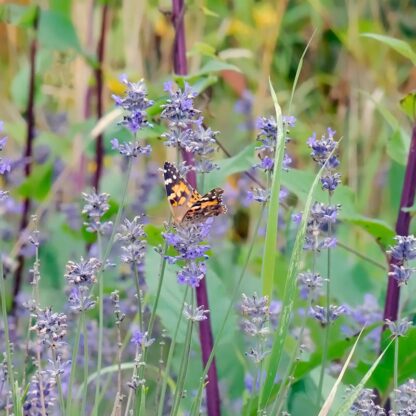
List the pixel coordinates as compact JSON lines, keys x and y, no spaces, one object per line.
{"x":186,"y":203}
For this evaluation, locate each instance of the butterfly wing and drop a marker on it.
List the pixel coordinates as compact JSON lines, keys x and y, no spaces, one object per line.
{"x":208,"y":205}
{"x":181,"y":195}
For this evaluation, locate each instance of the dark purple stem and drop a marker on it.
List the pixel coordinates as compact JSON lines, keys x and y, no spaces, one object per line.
{"x":205,"y":332}
{"x":99,"y":144}
{"x":391,"y":306}
{"x":27,"y":155}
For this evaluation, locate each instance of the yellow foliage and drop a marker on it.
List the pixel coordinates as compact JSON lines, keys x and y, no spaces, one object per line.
{"x":265,"y":16}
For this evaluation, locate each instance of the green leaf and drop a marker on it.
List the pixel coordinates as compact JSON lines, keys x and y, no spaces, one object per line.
{"x":57,"y":32}
{"x":398,"y":146}
{"x":408,"y":104}
{"x":269,"y":254}
{"x":345,"y":407}
{"x":15,"y":14}
{"x":400,"y":46}
{"x":299,"y":182}
{"x":215,"y":65}
{"x":238,"y":163}
{"x":37,"y":185}
{"x":331,"y":397}
{"x":202,"y":49}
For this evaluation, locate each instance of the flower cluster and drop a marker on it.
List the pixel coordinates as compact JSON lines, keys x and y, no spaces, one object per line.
{"x":255,"y":311}
{"x":195,"y":314}
{"x":5,"y":165}
{"x":187,"y":239}
{"x":310,"y":285}
{"x":405,"y":399}
{"x":134,"y":103}
{"x":266,"y":152}
{"x":268,"y":139}
{"x":321,"y":153}
{"x":364,"y":404}
{"x":318,"y":231}
{"x":399,"y":329}
{"x":326,"y":316}
{"x":185,"y":127}
{"x":96,"y":205}
{"x":133,"y":237}
{"x":51,"y":327}
{"x":401,"y":254}
{"x":368,"y":313}
{"x":40,"y":397}
{"x":130,"y":149}
{"x":80,"y":278}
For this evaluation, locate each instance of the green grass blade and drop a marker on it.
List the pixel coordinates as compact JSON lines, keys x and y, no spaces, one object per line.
{"x":298,"y":70}
{"x":344,"y":409}
{"x":330,"y":399}
{"x":269,"y":255}
{"x":289,"y":295}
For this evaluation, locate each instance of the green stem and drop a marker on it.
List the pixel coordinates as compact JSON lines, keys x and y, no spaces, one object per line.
{"x":86,"y":361}
{"x":100,"y":324}
{"x":73,"y":366}
{"x":151,"y":321}
{"x":195,"y":405}
{"x":59,"y":384}
{"x":328,"y":323}
{"x":284,"y":387}
{"x":184,"y":366}
{"x":10,"y":369}
{"x":139,"y":298}
{"x":170,"y":356}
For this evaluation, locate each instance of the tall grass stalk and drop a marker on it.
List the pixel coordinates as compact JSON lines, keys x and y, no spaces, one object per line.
{"x":289,"y":295}
{"x":75,"y":350}
{"x":103,"y":258}
{"x":198,"y":398}
{"x":86,"y":361}
{"x":183,"y":369}
{"x":170,"y":357}
{"x":10,"y":369}
{"x":328,"y":324}
{"x":269,"y":254}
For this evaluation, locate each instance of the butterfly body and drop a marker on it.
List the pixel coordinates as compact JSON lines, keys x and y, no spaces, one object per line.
{"x":186,"y":203}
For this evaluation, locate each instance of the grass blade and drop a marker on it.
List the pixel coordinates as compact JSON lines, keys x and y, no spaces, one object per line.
{"x":269,"y":255}
{"x":289,"y":295}
{"x":330,"y":399}
{"x":344,"y":409}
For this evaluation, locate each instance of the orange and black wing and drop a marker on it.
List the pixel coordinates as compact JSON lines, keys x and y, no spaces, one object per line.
{"x":181,"y":195}
{"x":208,"y":205}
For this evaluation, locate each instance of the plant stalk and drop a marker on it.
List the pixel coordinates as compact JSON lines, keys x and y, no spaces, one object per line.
{"x":205,"y":331}
{"x":28,"y":152}
{"x":391,"y":305}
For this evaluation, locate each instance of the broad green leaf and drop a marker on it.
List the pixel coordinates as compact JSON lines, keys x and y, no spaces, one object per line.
{"x":215,"y":65}
{"x":37,"y":185}
{"x":56,"y":31}
{"x":398,"y":45}
{"x":240,"y":162}
{"x":408,"y":104}
{"x":299,"y":183}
